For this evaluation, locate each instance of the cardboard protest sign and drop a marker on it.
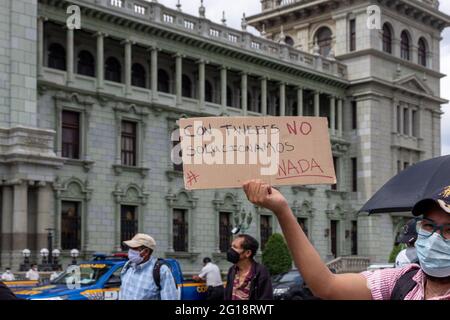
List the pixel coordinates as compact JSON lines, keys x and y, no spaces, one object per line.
{"x":224,"y":152}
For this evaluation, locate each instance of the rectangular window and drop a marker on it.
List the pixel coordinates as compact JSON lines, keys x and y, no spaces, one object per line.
{"x":352,"y":35}
{"x":70,"y":129}
{"x":336,"y":168}
{"x":129,"y":143}
{"x":180,"y":231}
{"x":334,"y":237}
{"x":70,"y":225}
{"x":177,"y":144}
{"x":399,"y":119}
{"x":405,"y":121}
{"x":405,"y":165}
{"x":354,"y":115}
{"x":225,"y":231}
{"x":354,"y":235}
{"x":354,"y":174}
{"x":266,"y":230}
{"x":415,"y":123}
{"x":128,"y":224}
{"x":303,"y":222}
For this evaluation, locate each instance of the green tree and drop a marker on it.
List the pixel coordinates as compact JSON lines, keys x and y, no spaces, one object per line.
{"x":276,"y":256}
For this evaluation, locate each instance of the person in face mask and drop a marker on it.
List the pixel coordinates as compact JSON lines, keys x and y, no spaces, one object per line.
{"x":33,"y":273}
{"x":138,"y":274}
{"x":247,"y":279}
{"x":8,"y":275}
{"x":428,"y":280}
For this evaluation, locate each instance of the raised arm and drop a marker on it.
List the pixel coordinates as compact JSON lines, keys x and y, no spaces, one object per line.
{"x":322,"y":282}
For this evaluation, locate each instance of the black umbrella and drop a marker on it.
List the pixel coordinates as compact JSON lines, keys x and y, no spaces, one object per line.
{"x":415,"y":183}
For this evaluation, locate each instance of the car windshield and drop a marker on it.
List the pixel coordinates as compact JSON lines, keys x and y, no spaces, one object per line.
{"x":83,"y":274}
{"x":290,"y":277}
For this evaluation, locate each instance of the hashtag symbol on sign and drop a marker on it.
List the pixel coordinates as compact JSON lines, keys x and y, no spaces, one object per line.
{"x":192,"y":178}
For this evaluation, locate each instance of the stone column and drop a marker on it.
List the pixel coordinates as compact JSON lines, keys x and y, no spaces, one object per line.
{"x":316,"y":103}
{"x":44,"y":213}
{"x":128,"y":66}
{"x":179,"y":79}
{"x":223,"y":88}
{"x":69,"y":55}
{"x":100,"y":65}
{"x":264,"y":96}
{"x":340,"y":117}
{"x":244,"y":94}
{"x":300,"y":101}
{"x":154,"y":73}
{"x":201,"y":83}
{"x":7,"y":219}
{"x":282,"y":99}
{"x":41,"y":50}
{"x":20,"y":216}
{"x":333,"y":115}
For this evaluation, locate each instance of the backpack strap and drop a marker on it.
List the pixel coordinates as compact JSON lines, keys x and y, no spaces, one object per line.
{"x":404,"y":285}
{"x":157,"y":272}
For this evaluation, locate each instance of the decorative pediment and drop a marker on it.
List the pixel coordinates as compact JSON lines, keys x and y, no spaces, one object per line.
{"x":336,"y":213}
{"x":413,"y":83}
{"x":228,"y":203}
{"x":72,"y":188}
{"x":131,"y":194}
{"x":303,"y":209}
{"x":74,"y":97}
{"x":183,"y":199}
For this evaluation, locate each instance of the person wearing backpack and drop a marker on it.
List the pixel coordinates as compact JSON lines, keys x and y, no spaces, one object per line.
{"x":428,"y":280}
{"x":145,"y":277}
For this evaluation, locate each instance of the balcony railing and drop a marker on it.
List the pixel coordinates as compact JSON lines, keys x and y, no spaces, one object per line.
{"x":240,"y":39}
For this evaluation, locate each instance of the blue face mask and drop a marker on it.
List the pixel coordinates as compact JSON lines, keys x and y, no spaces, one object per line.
{"x":135,"y":256}
{"x":434,"y":255}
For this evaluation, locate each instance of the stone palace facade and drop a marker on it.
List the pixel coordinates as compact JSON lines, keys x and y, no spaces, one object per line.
{"x":86,"y":117}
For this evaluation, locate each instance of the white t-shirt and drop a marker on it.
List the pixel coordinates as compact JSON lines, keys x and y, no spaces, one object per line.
{"x":8,"y":276}
{"x":406,"y":257}
{"x":211,"y":273}
{"x":32,"y":275}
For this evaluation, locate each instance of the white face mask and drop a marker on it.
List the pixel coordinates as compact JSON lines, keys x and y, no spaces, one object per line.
{"x":434,"y":255}
{"x":135,"y":256}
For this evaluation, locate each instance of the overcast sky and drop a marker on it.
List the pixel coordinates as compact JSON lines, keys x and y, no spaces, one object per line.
{"x":234,"y":10}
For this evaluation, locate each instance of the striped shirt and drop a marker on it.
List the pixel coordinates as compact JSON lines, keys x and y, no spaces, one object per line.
{"x":382,"y":282}
{"x":138,"y":283}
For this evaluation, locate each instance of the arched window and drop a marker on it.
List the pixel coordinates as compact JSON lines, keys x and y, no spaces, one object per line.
{"x":229,"y":97}
{"x":289,"y":41}
{"x":387,"y":38}
{"x":113,"y":70}
{"x":186,"y":87}
{"x":163,"y":81}
{"x":86,"y":64}
{"x":405,"y":46}
{"x":208,"y":91}
{"x":323,"y":40}
{"x":422,"y":51}
{"x":138,"y":76}
{"x":56,"y":56}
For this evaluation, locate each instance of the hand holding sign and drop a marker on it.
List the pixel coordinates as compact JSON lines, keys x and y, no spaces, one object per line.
{"x":224,"y":152}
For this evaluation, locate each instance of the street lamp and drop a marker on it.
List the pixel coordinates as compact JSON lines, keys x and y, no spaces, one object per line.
{"x":44,"y":254}
{"x":55,"y":254}
{"x":74,"y":253}
{"x":25,"y":266}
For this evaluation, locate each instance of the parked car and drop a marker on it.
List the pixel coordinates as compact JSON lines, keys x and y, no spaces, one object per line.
{"x":99,"y":279}
{"x":291,"y":286}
